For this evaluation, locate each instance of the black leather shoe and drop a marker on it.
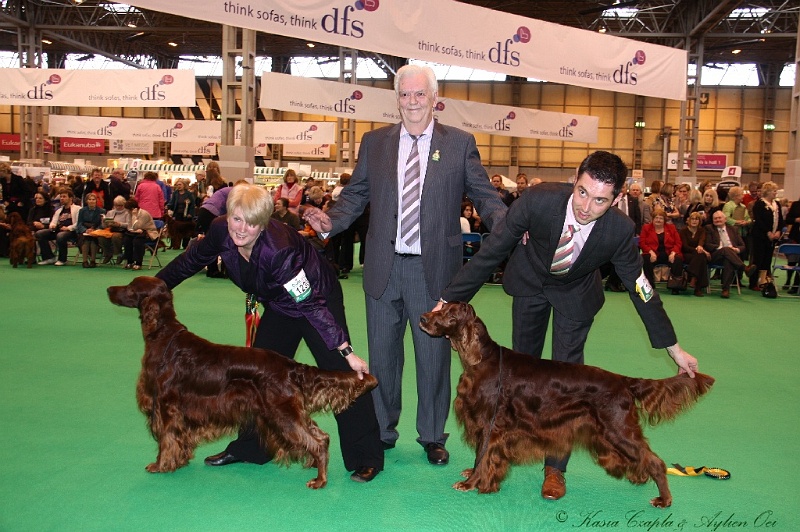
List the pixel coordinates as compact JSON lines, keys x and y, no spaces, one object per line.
{"x":437,"y":454}
{"x":364,"y":474}
{"x":222,"y":459}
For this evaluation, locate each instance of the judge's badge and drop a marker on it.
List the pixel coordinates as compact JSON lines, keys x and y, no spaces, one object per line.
{"x":643,"y":288}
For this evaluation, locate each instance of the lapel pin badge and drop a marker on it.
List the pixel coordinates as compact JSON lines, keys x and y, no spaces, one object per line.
{"x":436,"y":156}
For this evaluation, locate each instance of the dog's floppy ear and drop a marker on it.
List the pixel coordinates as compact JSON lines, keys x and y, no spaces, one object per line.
{"x":466,"y":342}
{"x":150,"y":312}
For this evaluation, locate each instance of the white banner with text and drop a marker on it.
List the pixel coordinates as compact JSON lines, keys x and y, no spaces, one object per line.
{"x":97,"y":88}
{"x":331,"y":98}
{"x":453,"y":33}
{"x":198,"y":132}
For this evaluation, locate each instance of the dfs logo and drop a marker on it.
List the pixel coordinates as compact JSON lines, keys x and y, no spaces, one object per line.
{"x":565,"y":131}
{"x":502,"y":52}
{"x":308,"y":134}
{"x":171,"y":132}
{"x":345,"y":105}
{"x":152,"y":92}
{"x":41,"y":92}
{"x":624,"y":75}
{"x":342,"y":21}
{"x":504,"y":124}
{"x":106,"y":130}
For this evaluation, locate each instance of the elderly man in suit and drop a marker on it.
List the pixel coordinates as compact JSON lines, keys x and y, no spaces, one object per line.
{"x":413,"y":175}
{"x":567,"y":234}
{"x":727,"y":247}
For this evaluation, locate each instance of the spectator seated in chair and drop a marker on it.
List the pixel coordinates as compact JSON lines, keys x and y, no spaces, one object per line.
{"x":726,"y":247}
{"x":116,"y":221}
{"x":695,"y":256}
{"x":661,"y":244}
{"x":61,"y":229}
{"x":90,"y":217}
{"x":141,"y":229}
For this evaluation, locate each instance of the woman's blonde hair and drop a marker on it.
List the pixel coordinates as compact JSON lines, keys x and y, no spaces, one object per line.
{"x":254,"y":201}
{"x":769,"y":186}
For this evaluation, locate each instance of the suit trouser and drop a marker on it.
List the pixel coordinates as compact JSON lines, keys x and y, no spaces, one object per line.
{"x":731,"y":264}
{"x":359,"y":437}
{"x":530,"y":317}
{"x":406,"y":297}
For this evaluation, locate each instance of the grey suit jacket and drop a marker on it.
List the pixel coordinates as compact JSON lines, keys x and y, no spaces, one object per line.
{"x":713,"y":240}
{"x":541,"y":211}
{"x":457,"y":172}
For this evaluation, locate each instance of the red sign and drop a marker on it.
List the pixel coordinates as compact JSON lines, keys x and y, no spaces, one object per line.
{"x":79,"y":145}
{"x":9,"y":141}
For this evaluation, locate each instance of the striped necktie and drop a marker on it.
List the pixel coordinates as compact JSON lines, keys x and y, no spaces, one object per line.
{"x":562,"y":260}
{"x":409,"y":220}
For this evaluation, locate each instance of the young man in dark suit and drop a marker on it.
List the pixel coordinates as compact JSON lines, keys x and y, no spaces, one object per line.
{"x":570,"y":287}
{"x":413,"y":253}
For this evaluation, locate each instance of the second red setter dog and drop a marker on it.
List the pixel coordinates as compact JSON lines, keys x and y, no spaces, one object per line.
{"x":540,"y":407}
{"x":179,"y":231}
{"x":192,"y":390}
{"x":21,"y":240}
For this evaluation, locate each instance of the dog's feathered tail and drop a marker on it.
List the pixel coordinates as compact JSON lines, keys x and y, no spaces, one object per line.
{"x":335,"y":390}
{"x":663,"y":399}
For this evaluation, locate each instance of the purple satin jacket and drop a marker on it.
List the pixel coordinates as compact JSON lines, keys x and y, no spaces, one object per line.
{"x":292,"y":277}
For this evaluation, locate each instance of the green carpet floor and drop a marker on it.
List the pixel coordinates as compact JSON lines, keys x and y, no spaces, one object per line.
{"x":75,"y":445}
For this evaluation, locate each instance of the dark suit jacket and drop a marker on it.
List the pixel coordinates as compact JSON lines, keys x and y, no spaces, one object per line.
{"x":541,"y":211}
{"x":457,"y":172}
{"x":713,"y":240}
{"x":634,"y":211}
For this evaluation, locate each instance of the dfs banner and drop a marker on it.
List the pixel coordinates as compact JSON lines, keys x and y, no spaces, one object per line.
{"x":134,"y":128}
{"x":97,"y":88}
{"x":192,"y":131}
{"x":312,"y":133}
{"x":452,"y":33}
{"x":330,"y":98}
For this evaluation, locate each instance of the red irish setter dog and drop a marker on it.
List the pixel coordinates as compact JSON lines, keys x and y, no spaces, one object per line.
{"x":192,"y":390}
{"x":532,"y":408}
{"x":22,"y":242}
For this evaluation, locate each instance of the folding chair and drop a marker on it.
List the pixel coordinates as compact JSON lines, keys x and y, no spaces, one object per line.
{"x":153,"y":245}
{"x":718,"y":266}
{"x":792,"y":253}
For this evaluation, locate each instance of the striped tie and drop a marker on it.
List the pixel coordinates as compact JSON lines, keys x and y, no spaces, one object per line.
{"x":409,"y":220}
{"x":563,"y":257}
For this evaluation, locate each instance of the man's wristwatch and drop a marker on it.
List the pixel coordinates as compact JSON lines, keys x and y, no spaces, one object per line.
{"x":346,"y":351}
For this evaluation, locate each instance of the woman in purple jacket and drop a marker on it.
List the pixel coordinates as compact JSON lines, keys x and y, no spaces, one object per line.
{"x":303,"y":301}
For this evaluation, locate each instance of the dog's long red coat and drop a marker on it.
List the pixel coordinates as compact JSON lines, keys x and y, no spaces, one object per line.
{"x":22,"y":242}
{"x":540,"y":407}
{"x":192,"y":390}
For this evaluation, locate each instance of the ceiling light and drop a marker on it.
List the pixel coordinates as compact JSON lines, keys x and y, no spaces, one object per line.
{"x":602,"y":30}
{"x":173,"y":44}
{"x":737,"y":51}
{"x":47,"y":41}
{"x":310,"y":44}
{"x":131,"y":25}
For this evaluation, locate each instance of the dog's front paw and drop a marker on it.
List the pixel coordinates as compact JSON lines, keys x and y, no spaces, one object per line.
{"x":660,"y":502}
{"x":316,"y":483}
{"x":154,"y":468}
{"x":463,"y":486}
{"x":467,"y":473}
